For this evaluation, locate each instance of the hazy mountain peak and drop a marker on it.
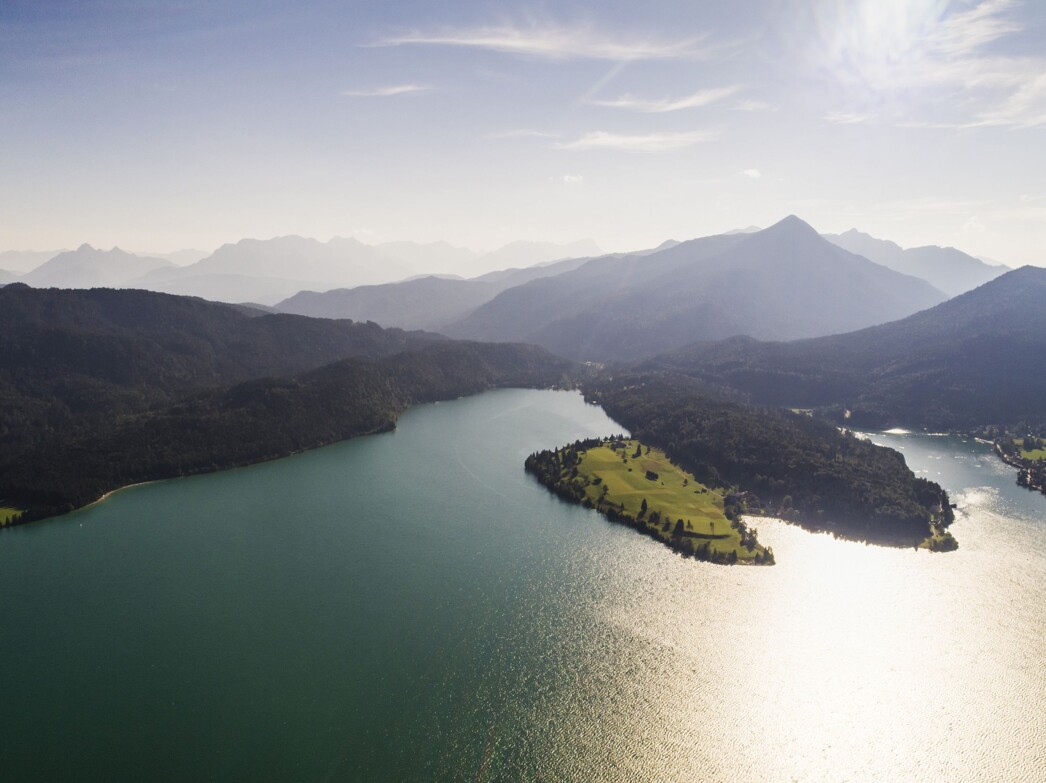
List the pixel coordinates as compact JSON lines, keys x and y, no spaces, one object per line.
{"x":791,"y":225}
{"x":950,"y":270}
{"x":89,"y":267}
{"x":854,"y":235}
{"x":1025,"y":275}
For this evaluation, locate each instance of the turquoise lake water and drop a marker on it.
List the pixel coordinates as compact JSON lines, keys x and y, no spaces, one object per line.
{"x":413,"y":606}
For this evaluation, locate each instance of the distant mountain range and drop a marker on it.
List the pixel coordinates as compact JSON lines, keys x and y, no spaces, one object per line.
{"x":421,"y":303}
{"x":946,"y":268}
{"x":87,"y":267}
{"x":268,"y":271}
{"x":977,"y":359}
{"x":785,"y":282}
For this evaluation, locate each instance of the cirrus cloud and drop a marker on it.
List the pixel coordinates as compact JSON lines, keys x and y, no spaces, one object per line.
{"x":665,"y":141}
{"x":386,"y":92}
{"x":662,"y":105}
{"x":557,"y":42}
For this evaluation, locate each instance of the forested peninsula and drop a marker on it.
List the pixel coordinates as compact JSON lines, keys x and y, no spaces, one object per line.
{"x":637,"y":485}
{"x":780,"y":463}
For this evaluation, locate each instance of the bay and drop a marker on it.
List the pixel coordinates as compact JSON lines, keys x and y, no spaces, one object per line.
{"x":412,"y":606}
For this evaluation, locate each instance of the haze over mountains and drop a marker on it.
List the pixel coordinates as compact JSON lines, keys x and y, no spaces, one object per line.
{"x":977,"y":358}
{"x":421,"y":303}
{"x":267,"y":271}
{"x":147,"y":384}
{"x":785,"y":281}
{"x":950,"y":270}
{"x":21,"y":261}
{"x":88,"y":267}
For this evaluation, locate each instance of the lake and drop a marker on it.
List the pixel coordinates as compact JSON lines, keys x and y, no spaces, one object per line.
{"x":413,"y":606}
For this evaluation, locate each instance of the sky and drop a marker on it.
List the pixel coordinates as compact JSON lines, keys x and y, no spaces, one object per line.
{"x":157,"y":125}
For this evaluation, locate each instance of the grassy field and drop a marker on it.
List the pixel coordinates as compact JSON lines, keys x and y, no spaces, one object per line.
{"x":8,"y":514}
{"x":672,"y":496}
{"x":1036,"y":454}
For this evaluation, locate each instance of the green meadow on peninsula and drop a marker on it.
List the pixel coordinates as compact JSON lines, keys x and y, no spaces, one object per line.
{"x":638,"y":485}
{"x":8,"y":514}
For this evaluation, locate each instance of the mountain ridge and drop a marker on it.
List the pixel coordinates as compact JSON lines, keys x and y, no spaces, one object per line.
{"x":784,"y":280}
{"x":946,"y":268}
{"x":976,"y":359}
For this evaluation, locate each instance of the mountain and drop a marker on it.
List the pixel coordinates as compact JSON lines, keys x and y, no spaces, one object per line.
{"x":945,"y":268}
{"x":269,"y":270}
{"x":420,"y":303}
{"x":84,"y":357}
{"x":151,"y":346}
{"x":977,"y":359}
{"x":87,"y":267}
{"x":785,"y":281}
{"x":527,"y":254}
{"x":7,"y":277}
{"x":20,"y":261}
{"x":103,"y":387}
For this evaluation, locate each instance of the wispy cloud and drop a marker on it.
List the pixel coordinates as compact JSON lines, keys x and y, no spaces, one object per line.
{"x":752,"y":173}
{"x":386,"y":92}
{"x":658,"y":106}
{"x":846,"y":117}
{"x":557,"y":42}
{"x":948,"y":64}
{"x":753,"y":106}
{"x":644,"y":142}
{"x":521,"y":133}
{"x":1023,"y":108}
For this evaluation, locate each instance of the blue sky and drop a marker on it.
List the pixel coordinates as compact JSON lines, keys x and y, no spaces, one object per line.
{"x":160,"y":125}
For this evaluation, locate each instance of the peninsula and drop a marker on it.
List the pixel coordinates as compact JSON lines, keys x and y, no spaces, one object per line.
{"x":636,"y":484}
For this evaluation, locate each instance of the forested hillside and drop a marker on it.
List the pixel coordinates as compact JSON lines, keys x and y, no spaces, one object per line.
{"x":785,"y":463}
{"x":977,"y":359}
{"x":101,"y":388}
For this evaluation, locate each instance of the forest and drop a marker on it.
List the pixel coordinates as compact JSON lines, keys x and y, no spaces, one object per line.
{"x":100,"y":388}
{"x":781,"y":463}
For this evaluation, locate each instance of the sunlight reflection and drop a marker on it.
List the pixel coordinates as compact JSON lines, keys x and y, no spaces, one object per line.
{"x":868,"y":44}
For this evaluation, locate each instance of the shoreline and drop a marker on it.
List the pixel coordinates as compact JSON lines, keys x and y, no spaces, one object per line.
{"x":1023,"y":466}
{"x":237,"y":466}
{"x":113,"y":492}
{"x":388,"y":426}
